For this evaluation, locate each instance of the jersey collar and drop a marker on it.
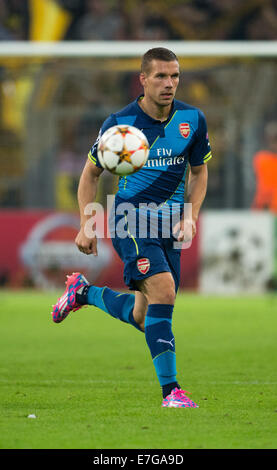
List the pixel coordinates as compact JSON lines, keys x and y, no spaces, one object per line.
{"x":143,"y":117}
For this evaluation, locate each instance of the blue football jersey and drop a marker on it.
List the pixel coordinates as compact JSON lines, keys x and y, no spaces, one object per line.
{"x":180,"y":140}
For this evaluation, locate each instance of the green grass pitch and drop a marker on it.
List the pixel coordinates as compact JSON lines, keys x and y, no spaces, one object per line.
{"x":91,"y":383}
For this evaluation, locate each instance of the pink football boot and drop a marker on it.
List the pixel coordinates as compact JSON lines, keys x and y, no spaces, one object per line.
{"x":67,"y":302}
{"x":178,"y":399}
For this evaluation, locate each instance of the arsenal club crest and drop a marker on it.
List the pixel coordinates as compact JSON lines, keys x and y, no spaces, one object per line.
{"x":143,"y":265}
{"x":184,"y":129}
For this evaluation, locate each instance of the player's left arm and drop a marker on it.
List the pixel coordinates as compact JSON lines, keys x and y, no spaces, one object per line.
{"x":200,"y":154}
{"x":197,"y":188}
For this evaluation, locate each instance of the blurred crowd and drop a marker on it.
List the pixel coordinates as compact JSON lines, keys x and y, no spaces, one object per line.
{"x":65,"y":102}
{"x":149,"y":19}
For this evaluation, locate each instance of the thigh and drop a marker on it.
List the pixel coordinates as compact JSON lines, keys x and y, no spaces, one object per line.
{"x":158,"y":289}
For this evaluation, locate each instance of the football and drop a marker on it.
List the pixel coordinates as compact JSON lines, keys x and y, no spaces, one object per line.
{"x":123,"y":150}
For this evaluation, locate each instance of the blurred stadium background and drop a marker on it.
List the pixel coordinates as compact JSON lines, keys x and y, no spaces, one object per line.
{"x":52,"y":105}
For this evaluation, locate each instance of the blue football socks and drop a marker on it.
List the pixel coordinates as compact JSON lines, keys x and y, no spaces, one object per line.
{"x":161,"y":342}
{"x":114,"y":303}
{"x":158,"y":328}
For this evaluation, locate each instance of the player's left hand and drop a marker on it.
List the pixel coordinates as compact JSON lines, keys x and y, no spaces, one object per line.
{"x":185,"y":230}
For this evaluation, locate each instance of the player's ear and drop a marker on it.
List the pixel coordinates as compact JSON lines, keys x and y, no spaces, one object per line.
{"x":142,"y":78}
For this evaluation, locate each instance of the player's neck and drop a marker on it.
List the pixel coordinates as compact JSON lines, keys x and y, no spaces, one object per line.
{"x":160,"y":113}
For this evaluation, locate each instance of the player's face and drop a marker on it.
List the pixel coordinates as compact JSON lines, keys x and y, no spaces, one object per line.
{"x":160,"y":83}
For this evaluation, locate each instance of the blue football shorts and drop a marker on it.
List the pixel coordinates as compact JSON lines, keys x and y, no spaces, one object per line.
{"x":144,"y":257}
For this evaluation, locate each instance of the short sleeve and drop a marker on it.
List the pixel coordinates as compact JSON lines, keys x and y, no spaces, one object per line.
{"x":200,"y":151}
{"x":92,"y":155}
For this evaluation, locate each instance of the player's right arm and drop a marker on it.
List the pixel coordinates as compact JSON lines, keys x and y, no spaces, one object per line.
{"x":87,"y":189}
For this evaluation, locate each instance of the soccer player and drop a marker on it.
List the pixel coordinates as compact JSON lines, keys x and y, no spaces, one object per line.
{"x":177,"y":135}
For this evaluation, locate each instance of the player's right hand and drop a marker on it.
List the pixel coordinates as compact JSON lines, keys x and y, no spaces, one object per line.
{"x":85,"y":244}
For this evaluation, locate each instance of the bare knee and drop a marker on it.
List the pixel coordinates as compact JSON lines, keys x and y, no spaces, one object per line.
{"x":165,"y":295}
{"x":159,"y":289}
